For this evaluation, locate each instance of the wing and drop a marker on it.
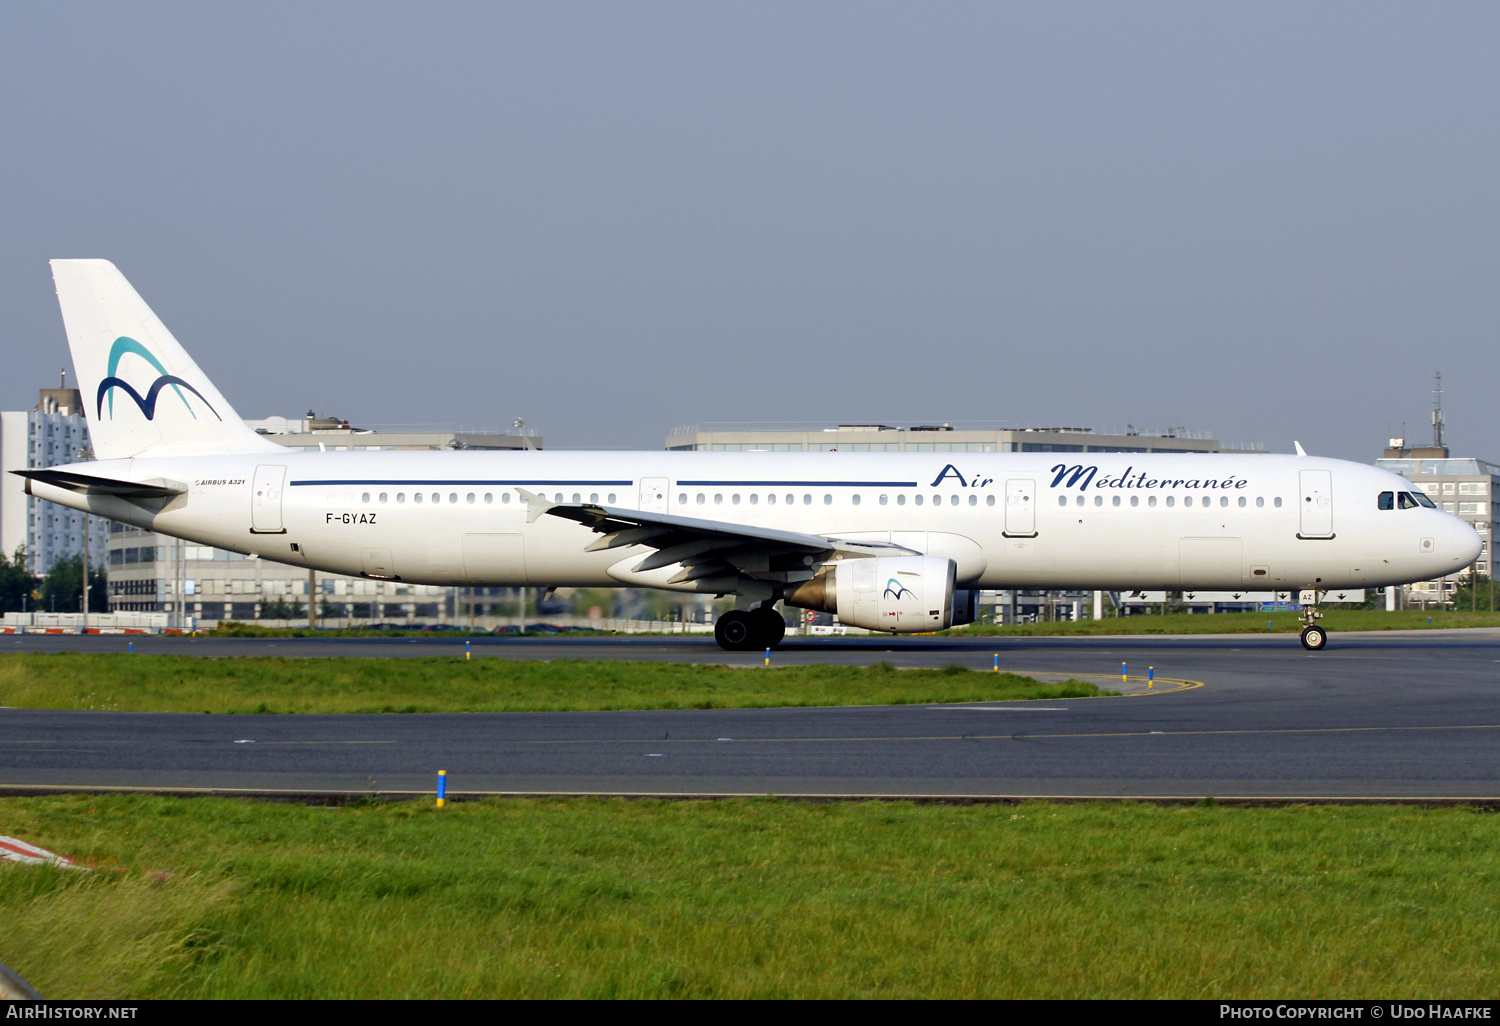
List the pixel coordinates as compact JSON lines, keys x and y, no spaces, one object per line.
{"x":707,"y":548}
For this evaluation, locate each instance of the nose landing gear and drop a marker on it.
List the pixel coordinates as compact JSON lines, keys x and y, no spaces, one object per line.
{"x":745,"y":630}
{"x":1313,"y":636}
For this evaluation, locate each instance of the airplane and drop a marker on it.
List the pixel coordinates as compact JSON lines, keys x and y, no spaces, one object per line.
{"x":892,"y":542}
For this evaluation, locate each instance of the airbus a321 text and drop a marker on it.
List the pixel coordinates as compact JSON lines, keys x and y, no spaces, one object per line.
{"x":897,"y":542}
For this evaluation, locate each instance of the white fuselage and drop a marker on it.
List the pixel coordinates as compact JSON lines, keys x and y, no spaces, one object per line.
{"x":1023,"y":520}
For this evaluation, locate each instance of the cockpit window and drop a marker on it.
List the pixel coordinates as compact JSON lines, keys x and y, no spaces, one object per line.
{"x":1422,"y":499}
{"x":1405,"y":501}
{"x":1387,"y":500}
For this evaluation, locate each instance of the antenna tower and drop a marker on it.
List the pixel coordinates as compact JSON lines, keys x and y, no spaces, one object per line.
{"x":1437,"y":410}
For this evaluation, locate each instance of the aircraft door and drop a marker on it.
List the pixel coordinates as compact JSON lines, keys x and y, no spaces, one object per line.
{"x":653,"y":494}
{"x":265,"y":500}
{"x":1316,"y":503}
{"x":1020,"y":508}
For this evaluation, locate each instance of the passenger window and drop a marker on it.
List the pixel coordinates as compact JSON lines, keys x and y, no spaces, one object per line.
{"x":504,"y":497}
{"x":1386,"y":500}
{"x":383,"y":496}
{"x":827,"y":499}
{"x":702,"y":498}
{"x":718,"y":498}
{"x":489,"y":497}
{"x":791,"y":500}
{"x":1171,"y":500}
{"x":453,"y":497}
{"x":1208,"y":501}
{"x":1135,"y":500}
{"x":681,"y":498}
{"x":989,"y":500}
{"x":1078,"y":501}
{"x":937,"y":500}
{"x":771,"y":499}
{"x":973,"y":500}
{"x":953,"y":500}
{"x":363,"y":498}
{"x":1187,"y":500}
{"x":884,"y":499}
{"x":754,"y":499}
{"x":735,"y":498}
{"x":1116,"y":500}
{"x":415,"y":497}
{"x":1062,"y":500}
{"x":1260,"y":500}
{"x":611,"y":499}
{"x":917,"y":499}
{"x":901,"y":499}
{"x":556,"y":498}
{"x":438,"y":498}
{"x":593,"y":497}
{"x":806,"y":499}
{"x":1151,"y":501}
{"x":469,"y":497}
{"x":1223,"y":500}
{"x":1098,"y":500}
{"x":1278,"y":502}
{"x":1242,"y":502}
{"x":854,"y":498}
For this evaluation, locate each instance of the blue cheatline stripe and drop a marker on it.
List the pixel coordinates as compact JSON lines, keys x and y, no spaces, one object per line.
{"x":423,"y":484}
{"x":798,"y":484}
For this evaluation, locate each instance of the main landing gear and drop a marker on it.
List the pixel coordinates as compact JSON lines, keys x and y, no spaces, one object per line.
{"x":745,"y":630}
{"x":1313,"y":636}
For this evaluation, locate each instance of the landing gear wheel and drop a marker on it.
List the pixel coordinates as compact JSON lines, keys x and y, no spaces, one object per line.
{"x":770,"y":628}
{"x":737,"y":631}
{"x":1314,"y":638}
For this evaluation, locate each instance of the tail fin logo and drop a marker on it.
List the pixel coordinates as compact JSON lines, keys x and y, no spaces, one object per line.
{"x":147,"y":402}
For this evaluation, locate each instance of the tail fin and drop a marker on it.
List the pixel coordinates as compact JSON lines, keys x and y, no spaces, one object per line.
{"x":142,"y":394}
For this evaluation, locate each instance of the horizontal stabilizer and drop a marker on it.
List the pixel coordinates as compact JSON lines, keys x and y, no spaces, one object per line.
{"x":87,"y":484}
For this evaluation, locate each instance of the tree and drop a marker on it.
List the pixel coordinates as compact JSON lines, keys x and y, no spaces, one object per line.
{"x":60,"y":588}
{"x":1465,"y":597}
{"x":16,"y":583}
{"x":281,"y":609}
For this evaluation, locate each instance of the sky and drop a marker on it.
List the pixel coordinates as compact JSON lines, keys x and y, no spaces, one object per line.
{"x":1269,"y":221}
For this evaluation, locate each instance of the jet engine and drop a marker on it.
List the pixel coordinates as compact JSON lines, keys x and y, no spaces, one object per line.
{"x":897,"y":594}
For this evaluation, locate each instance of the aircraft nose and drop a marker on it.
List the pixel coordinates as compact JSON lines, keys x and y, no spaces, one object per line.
{"x":1463,"y":541}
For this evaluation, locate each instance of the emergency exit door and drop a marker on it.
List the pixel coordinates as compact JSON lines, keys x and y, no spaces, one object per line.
{"x":653,"y":494}
{"x":1316,"y":503}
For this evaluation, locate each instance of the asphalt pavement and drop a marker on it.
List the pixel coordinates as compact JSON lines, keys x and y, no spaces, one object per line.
{"x":1408,"y":715}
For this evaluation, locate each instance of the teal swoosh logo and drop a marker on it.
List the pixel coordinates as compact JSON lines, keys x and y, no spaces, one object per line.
{"x":124,"y":344}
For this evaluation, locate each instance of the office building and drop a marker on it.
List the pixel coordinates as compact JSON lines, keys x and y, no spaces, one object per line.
{"x":53,"y":432}
{"x":941,"y":438}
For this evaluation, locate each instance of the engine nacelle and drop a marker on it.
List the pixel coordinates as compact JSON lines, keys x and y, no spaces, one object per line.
{"x":897,"y":594}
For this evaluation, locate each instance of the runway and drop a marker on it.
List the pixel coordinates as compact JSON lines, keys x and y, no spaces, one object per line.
{"x":1407,"y":715}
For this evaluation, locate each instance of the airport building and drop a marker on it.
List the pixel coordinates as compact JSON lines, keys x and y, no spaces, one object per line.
{"x":941,"y":438}
{"x":52,"y":432}
{"x":311,"y":433}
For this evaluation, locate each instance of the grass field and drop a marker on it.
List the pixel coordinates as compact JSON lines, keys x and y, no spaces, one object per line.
{"x":1334,"y":619}
{"x":596,"y":898}
{"x":169,"y":683}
